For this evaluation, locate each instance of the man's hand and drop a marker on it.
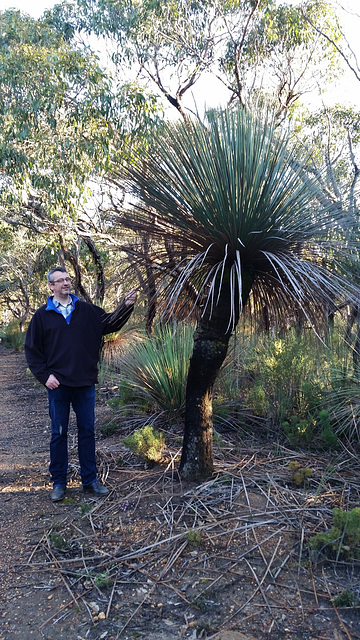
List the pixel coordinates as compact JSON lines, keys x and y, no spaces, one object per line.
{"x":130,"y":298}
{"x":52,"y":382}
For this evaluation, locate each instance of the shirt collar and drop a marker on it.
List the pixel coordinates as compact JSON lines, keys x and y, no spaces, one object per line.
{"x":58,"y":304}
{"x":51,"y":302}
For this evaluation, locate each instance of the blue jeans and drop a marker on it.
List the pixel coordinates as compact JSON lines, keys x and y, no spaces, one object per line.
{"x":82,"y":400}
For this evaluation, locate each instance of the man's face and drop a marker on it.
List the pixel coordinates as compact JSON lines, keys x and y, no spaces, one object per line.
{"x":61,"y":285}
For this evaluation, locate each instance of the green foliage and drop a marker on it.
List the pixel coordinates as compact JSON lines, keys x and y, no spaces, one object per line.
{"x":110,"y":428}
{"x":63,"y":119}
{"x":148,"y":443}
{"x":327,"y":435}
{"x":157,"y":366}
{"x":166,"y":41}
{"x":245,"y":220}
{"x":343,"y":540}
{"x":299,"y":431}
{"x":85,"y":508}
{"x":57,"y":540}
{"x":300,"y":475}
{"x":125,"y":396}
{"x":315,"y":430}
{"x":284,"y":376}
{"x":52,"y":113}
{"x":102,"y":580}
{"x":193,"y":537}
{"x":346,"y":598}
{"x":344,"y":402}
{"x":329,"y":131}
{"x":13,"y":337}
{"x":281,"y":36}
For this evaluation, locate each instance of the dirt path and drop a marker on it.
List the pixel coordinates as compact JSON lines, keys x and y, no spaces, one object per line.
{"x":25,"y":509}
{"x":128,"y":568}
{"x":35,"y":601}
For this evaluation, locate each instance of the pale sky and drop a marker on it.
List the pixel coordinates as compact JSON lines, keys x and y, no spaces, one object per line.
{"x":347,"y":89}
{"x":35,"y":8}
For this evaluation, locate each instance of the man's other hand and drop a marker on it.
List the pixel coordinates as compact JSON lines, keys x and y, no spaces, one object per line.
{"x":52,"y":382}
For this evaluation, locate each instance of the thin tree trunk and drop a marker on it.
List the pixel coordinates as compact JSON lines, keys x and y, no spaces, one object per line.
{"x":99,"y":268}
{"x":79,"y":288}
{"x":150,"y":287}
{"x":210,"y":349}
{"x":211,"y":340}
{"x":356,"y":350}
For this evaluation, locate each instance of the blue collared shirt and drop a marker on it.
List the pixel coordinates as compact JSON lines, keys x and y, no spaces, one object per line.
{"x":65,"y":310}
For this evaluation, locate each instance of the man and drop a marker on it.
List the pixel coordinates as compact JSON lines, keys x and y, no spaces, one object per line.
{"x":62,"y":348}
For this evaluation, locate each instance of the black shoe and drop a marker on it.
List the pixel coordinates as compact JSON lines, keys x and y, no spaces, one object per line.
{"x":96,"y":489}
{"x":58,"y":493}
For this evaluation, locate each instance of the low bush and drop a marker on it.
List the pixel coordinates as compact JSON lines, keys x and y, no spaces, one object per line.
{"x":13,"y":337}
{"x":343,"y":539}
{"x":148,"y":443}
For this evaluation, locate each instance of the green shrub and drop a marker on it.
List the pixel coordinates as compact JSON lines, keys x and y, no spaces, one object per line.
{"x":346,"y":598}
{"x":148,"y":443}
{"x":284,"y":376}
{"x":315,"y":431}
{"x":343,"y":540}
{"x":102,"y":580}
{"x":299,"y":430}
{"x":85,"y":508}
{"x":329,"y":439}
{"x":13,"y":337}
{"x":110,"y":428}
{"x":124,"y":396}
{"x":157,"y":366}
{"x":57,"y":540}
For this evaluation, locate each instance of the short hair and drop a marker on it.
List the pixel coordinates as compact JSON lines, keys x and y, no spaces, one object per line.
{"x":50,"y":275}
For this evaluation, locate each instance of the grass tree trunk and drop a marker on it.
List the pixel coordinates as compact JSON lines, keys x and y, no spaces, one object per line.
{"x":211,"y":340}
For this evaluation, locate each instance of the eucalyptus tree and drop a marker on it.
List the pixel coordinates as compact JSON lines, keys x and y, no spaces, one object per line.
{"x":63,"y":121}
{"x":334,"y":133}
{"x":247,"y":228}
{"x":278,"y":52}
{"x":53,"y":130}
{"x":251,"y":46}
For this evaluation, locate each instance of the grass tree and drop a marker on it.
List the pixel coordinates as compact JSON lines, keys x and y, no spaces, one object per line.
{"x":245,"y":221}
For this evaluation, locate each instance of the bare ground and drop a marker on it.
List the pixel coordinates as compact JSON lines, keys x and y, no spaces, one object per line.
{"x":227,"y":559}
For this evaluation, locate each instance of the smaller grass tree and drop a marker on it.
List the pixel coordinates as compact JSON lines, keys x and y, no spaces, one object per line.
{"x":244,"y":218}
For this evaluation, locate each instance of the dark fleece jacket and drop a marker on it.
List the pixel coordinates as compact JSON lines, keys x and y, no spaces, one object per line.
{"x":69,"y":348}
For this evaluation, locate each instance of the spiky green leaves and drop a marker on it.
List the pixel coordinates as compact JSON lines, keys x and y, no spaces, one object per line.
{"x":238,"y":199}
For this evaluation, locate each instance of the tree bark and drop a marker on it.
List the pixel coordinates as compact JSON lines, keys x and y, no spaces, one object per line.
{"x":210,"y":349}
{"x":79,"y":288}
{"x":99,"y":267}
{"x":211,"y":340}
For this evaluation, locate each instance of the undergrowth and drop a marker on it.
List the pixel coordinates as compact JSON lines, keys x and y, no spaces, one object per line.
{"x":343,"y":539}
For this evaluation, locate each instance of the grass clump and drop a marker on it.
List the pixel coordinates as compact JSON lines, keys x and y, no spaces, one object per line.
{"x":343,"y":540}
{"x":148,"y":443}
{"x":157,"y":366}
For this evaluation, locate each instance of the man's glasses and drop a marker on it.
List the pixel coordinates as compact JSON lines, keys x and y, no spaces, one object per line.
{"x":60,"y":280}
